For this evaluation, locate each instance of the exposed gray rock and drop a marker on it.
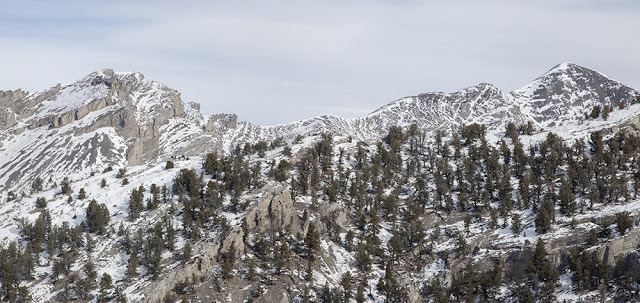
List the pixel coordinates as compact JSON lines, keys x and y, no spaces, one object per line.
{"x":8,"y":104}
{"x":200,"y":264}
{"x":274,"y":210}
{"x":619,"y":246}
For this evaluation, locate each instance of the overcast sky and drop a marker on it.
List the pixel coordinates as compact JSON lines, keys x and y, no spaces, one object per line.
{"x":274,"y":62}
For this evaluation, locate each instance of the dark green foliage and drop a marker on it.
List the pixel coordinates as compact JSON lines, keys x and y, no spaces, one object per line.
{"x":122,"y":172}
{"x":97,"y":217}
{"x":346,"y":286}
{"x":65,"y":186}
{"x":511,"y":131}
{"x":37,"y":184}
{"x":187,"y":251}
{"x":106,"y":283}
{"x":589,"y":270}
{"x":324,"y":151}
{"x":103,"y":183}
{"x":82,"y":194}
{"x":543,"y":218}
{"x":16,"y":265}
{"x":566,"y":199}
{"x":605,"y":112}
{"x":396,"y":185}
{"x":282,"y":171}
{"x":360,"y":297}
{"x":624,"y":222}
{"x":287,"y":151}
{"x":515,"y":223}
{"x":135,"y":202}
{"x":595,"y":112}
{"x":152,"y":250}
{"x":132,"y":265}
{"x":187,"y":182}
{"x":312,"y":242}
{"x":542,"y":275}
{"x":363,"y":260}
{"x":41,"y":202}
{"x":471,"y":133}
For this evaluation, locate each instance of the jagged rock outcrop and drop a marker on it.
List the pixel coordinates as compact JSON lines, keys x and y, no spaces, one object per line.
{"x":200,"y":265}
{"x":274,"y":211}
{"x":619,"y":247}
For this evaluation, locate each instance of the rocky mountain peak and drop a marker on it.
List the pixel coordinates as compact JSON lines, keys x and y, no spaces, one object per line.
{"x":567,"y":81}
{"x":105,"y":119}
{"x":567,"y":91}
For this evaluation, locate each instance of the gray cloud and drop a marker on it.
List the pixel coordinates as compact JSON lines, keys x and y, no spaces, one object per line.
{"x":278,"y":61}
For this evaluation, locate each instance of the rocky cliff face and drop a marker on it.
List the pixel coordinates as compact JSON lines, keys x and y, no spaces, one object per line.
{"x":105,"y":119}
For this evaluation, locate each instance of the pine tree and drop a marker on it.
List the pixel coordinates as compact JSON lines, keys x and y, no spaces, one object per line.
{"x":360,"y":297}
{"x":132,"y":266}
{"x":363,"y":260}
{"x":543,"y":218}
{"x":97,"y":217}
{"x":41,"y":202}
{"x":65,"y":186}
{"x":186,"y":252}
{"x":566,"y":199}
{"x":346,"y":285}
{"x":624,"y":222}
{"x":82,"y":194}
{"x":312,"y":242}
{"x":106,"y":283}
{"x":169,"y":165}
{"x":515,"y":223}
{"x":541,"y":270}
{"x":135,"y":203}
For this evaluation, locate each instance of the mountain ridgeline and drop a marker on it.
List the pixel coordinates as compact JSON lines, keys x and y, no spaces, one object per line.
{"x":113,"y":189}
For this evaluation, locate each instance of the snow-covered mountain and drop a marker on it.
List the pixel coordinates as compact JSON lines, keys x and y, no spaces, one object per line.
{"x":105,"y":119}
{"x":566,"y":92}
{"x":560,"y":96}
{"x":116,"y":120}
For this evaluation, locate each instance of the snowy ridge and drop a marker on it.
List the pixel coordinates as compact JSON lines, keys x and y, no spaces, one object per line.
{"x":483,"y":103}
{"x":104,"y":119}
{"x":559,"y":97}
{"x":136,"y":121}
{"x":113,"y":119}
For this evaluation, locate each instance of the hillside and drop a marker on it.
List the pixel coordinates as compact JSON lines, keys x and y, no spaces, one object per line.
{"x":114,"y":188}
